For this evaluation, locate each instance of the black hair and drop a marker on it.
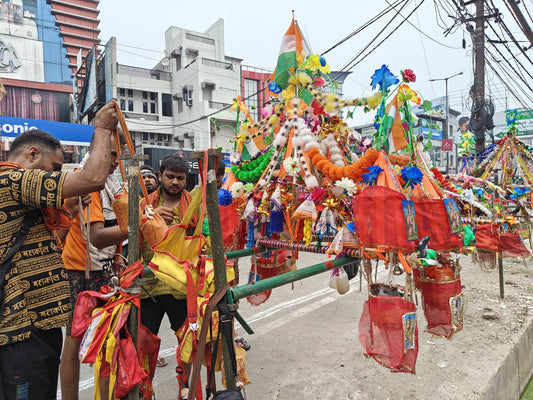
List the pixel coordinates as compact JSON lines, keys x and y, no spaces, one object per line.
{"x":221,"y":170}
{"x":175,"y":164}
{"x":35,"y":137}
{"x":146,"y":166}
{"x":462,"y":120}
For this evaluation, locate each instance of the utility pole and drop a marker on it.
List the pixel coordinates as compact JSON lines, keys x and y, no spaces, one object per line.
{"x":521,"y":21}
{"x":478,"y":95}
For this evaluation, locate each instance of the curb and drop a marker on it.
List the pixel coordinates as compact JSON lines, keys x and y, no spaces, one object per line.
{"x":514,"y":373}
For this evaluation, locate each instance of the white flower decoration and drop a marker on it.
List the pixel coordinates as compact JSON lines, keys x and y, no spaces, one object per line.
{"x":234,"y":157}
{"x":237,"y":189}
{"x":348,"y":185}
{"x":292,"y":166}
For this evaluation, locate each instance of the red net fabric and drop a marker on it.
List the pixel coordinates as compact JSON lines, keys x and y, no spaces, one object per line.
{"x":382,"y":333}
{"x":507,"y":243}
{"x":380,"y":219}
{"x":229,"y":220}
{"x":437,"y":308}
{"x":432,"y":221}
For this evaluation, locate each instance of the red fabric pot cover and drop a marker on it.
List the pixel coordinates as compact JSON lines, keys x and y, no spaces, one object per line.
{"x":509,"y":244}
{"x":432,"y":221}
{"x":381,"y":332}
{"x":438,"y":309}
{"x":380,"y":219}
{"x":229,"y":220}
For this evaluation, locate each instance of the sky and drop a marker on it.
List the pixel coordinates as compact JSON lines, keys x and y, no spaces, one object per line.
{"x":253,"y":32}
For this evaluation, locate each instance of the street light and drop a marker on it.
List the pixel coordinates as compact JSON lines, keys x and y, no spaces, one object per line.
{"x":447,"y":112}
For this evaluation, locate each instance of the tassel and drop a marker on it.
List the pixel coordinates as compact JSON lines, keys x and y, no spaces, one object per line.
{"x":276,"y":221}
{"x":308,"y":231}
{"x":251,"y":240}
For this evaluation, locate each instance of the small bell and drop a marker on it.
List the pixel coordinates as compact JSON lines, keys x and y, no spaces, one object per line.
{"x":397,"y":270}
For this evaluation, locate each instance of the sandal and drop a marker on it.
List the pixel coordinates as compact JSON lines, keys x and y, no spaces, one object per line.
{"x":241,"y":342}
{"x":161,"y":362}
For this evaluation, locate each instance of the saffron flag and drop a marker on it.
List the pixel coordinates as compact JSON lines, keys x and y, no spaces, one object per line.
{"x":394,"y":134}
{"x":292,"y":53}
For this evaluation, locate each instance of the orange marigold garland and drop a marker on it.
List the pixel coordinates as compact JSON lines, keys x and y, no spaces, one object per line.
{"x":397,"y":159}
{"x":354,"y":171}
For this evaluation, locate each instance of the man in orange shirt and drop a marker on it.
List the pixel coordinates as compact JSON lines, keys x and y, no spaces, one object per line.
{"x":105,"y":237}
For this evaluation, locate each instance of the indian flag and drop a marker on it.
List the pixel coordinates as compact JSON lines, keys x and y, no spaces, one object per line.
{"x":293,"y":51}
{"x":395,"y":137}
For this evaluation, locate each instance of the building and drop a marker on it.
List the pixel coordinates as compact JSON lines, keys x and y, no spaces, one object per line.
{"x":433,"y":121}
{"x":40,"y":41}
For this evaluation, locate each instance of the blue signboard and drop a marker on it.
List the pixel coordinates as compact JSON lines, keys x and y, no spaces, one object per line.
{"x":67,"y":133}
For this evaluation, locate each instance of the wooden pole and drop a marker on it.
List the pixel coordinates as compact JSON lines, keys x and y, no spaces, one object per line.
{"x":217,"y":245}
{"x":133,"y":243}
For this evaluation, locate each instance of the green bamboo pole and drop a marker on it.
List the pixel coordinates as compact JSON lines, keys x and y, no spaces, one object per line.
{"x":231,"y":255}
{"x":240,"y":292}
{"x":217,"y":246}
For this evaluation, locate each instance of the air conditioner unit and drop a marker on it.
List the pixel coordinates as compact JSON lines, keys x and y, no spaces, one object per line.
{"x":189,"y":101}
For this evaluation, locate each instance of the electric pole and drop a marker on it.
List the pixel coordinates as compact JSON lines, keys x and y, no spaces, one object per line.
{"x":478,"y":95}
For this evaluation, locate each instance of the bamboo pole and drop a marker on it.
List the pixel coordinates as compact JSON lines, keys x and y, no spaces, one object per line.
{"x":217,"y":246}
{"x":133,"y":244}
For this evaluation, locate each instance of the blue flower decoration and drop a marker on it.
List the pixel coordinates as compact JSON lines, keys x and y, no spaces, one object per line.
{"x":479,"y":192}
{"x":513,"y":197}
{"x":224,"y":197}
{"x":370,"y":177}
{"x":412,"y":176}
{"x":274,"y":87}
{"x":384,"y":78}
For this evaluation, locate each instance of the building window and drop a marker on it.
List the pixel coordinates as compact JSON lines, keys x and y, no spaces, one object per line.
{"x":130,"y":105}
{"x":153,"y":96}
{"x":122,"y":92}
{"x":251,"y":95}
{"x":152,"y":108}
{"x":145,"y":136}
{"x":145,"y":95}
{"x":123,"y":104}
{"x":130,"y":92}
{"x":145,"y":107}
{"x":166,"y":103}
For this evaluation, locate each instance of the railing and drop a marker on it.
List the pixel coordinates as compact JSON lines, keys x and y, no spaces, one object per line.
{"x":143,"y":72}
{"x":217,"y":64}
{"x":146,"y":117}
{"x":218,"y":105}
{"x":201,"y":39}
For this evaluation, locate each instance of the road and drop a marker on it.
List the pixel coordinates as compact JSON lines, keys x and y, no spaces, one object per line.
{"x":271,"y":321}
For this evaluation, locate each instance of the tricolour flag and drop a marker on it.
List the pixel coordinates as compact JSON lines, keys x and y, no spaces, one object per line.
{"x":395,"y":136}
{"x":292,"y":53}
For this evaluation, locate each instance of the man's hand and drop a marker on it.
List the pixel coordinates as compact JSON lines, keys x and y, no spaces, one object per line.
{"x":107,"y":117}
{"x":119,"y":266}
{"x":71,"y":204}
{"x":167,"y":214}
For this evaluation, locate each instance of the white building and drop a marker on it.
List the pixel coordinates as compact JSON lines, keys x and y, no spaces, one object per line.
{"x":173,"y":104}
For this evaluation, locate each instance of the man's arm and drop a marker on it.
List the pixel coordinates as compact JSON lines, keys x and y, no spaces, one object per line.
{"x":106,"y":236}
{"x":94,"y":174}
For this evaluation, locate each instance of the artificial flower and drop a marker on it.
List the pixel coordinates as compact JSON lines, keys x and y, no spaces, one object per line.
{"x":237,"y":102}
{"x":237,"y":189}
{"x":348,"y":185}
{"x":248,"y":187}
{"x":412,"y":176}
{"x":315,"y":62}
{"x":303,"y":78}
{"x":319,"y":82}
{"x":292,"y":166}
{"x":371,"y":177}
{"x":384,"y":78}
{"x":405,"y":93}
{"x":274,"y":87}
{"x":374,"y":100}
{"x":289,"y":93}
{"x":408,"y":75}
{"x":234,"y":157}
{"x":225,"y":197}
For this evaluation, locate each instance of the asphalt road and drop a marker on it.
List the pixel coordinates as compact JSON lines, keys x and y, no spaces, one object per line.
{"x":298,"y":302}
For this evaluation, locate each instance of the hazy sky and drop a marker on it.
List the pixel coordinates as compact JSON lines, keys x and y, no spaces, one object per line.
{"x":253,"y":32}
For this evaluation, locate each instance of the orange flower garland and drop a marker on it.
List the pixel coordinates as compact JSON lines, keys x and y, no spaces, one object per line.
{"x":354,"y":171}
{"x":397,"y":159}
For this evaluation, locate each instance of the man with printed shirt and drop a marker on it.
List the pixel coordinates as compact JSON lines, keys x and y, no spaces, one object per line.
{"x":36,"y":296}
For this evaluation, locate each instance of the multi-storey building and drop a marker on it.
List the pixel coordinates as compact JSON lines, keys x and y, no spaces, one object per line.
{"x":39,"y":44}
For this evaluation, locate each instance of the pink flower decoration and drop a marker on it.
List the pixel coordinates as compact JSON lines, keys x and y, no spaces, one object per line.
{"x":408,"y":75}
{"x":318,"y":82}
